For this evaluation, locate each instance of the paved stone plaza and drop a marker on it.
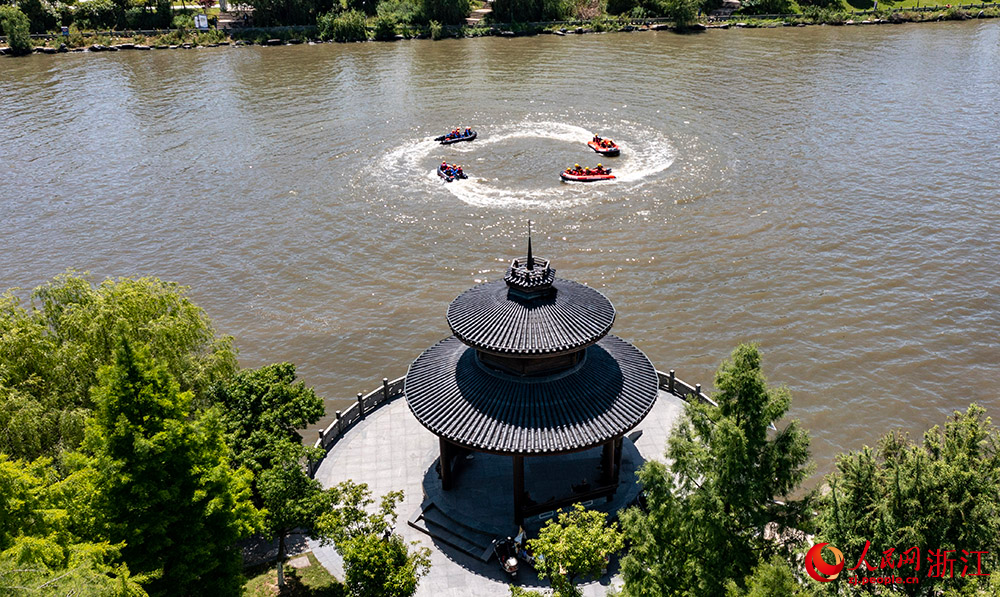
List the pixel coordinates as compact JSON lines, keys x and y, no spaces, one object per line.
{"x":390,"y":450}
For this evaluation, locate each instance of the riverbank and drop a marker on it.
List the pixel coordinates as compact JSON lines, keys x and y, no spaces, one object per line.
{"x":113,"y":41}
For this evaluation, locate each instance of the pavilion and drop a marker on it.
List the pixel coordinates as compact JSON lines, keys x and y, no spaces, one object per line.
{"x":530,"y":371}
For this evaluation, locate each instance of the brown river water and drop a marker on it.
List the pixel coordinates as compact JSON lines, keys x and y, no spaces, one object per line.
{"x":832,"y":193}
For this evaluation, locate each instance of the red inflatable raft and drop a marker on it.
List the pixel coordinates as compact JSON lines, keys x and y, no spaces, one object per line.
{"x":613,"y":150}
{"x":587,"y":177}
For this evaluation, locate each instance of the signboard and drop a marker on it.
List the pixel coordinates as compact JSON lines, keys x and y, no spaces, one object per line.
{"x":65,"y":31}
{"x":200,"y":22}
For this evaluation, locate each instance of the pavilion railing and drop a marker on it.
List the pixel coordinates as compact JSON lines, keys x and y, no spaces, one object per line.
{"x":363,"y":405}
{"x":390,"y":390}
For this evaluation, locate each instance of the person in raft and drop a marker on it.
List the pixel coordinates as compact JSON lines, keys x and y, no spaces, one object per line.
{"x":576,"y":170}
{"x":600,"y":170}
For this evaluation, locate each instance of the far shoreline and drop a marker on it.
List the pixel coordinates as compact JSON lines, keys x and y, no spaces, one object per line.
{"x":308,"y":35}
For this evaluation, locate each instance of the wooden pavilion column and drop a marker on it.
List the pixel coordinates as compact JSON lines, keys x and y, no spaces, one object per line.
{"x":608,"y":460}
{"x":618,"y":460}
{"x":445,"y":463}
{"x":518,"y":490}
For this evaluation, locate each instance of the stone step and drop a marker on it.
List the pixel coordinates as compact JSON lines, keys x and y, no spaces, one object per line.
{"x":477,"y":543}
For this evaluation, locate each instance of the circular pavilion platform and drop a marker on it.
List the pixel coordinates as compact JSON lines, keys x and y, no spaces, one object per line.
{"x":389,"y":450}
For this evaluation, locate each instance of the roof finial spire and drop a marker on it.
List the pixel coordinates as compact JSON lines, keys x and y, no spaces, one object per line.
{"x":531,"y":260}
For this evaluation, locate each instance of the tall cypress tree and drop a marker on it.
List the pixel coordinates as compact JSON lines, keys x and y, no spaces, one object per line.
{"x":722,"y":506}
{"x":164,"y":485}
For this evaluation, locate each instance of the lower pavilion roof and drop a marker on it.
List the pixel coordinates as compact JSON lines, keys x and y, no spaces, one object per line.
{"x":457,"y":398}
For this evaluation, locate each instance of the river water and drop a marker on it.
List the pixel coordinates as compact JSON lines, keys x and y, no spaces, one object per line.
{"x":829,"y":192}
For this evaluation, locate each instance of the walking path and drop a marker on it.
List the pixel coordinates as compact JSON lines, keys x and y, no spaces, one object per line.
{"x":390,"y":450}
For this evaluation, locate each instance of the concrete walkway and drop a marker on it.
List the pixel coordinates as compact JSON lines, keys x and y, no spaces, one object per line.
{"x":390,"y":450}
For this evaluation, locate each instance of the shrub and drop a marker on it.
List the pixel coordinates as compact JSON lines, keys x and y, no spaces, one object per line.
{"x":212,"y":36}
{"x":182,"y":20}
{"x":955,"y":14}
{"x":766,"y":7}
{"x":75,"y":39}
{"x":347,"y":26}
{"x":16,"y":27}
{"x":437,"y":31}
{"x":385,"y":27}
{"x":404,"y":12}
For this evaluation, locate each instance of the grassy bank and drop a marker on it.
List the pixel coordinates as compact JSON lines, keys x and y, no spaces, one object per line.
{"x":310,"y":581}
{"x":906,"y":12}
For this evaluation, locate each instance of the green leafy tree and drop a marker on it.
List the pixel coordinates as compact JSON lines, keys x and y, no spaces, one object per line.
{"x":377,"y":562}
{"x":446,"y":12}
{"x":264,"y":408}
{"x":289,"y":12}
{"x":164,"y":487}
{"x":943,"y":494}
{"x":42,"y":14}
{"x":51,"y":351}
{"x":682,"y":12}
{"x":41,"y":549}
{"x":722,"y":507}
{"x":290,"y":498}
{"x":576,"y":543}
{"x":773,"y":578}
{"x":376,"y":566}
{"x":95,"y":14}
{"x":17,"y":28}
{"x":263,"y":412}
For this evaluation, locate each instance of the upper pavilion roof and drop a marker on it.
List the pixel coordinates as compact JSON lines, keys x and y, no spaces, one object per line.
{"x":531,"y":313}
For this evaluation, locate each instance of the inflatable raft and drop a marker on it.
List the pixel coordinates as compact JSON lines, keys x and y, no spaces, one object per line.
{"x":446,"y":140}
{"x":450,"y":177}
{"x":587,"y":177}
{"x":611,"y":151}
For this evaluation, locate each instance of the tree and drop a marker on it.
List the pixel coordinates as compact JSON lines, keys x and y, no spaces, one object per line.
{"x":575,"y":544}
{"x":377,"y":562}
{"x":263,"y":411}
{"x":50,"y":353}
{"x":41,"y":549}
{"x":722,"y":507}
{"x":263,"y":408}
{"x":773,"y":578}
{"x":164,"y":487}
{"x":17,"y":28}
{"x":682,"y":12}
{"x":376,"y":566}
{"x":941,"y":494}
{"x":447,"y":12}
{"x":290,"y":498}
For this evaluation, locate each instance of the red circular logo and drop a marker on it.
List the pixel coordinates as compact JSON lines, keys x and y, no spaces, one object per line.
{"x":817,"y":567}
